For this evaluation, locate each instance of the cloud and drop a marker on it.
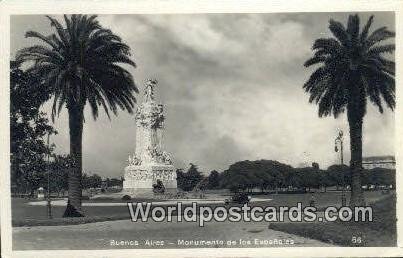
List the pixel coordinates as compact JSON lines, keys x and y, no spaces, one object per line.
{"x":196,"y":34}
{"x":232,"y":89}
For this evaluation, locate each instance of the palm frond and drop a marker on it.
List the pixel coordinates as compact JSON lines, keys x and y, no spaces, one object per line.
{"x":373,"y":92}
{"x":353,"y":26}
{"x":338,"y":31}
{"x":365,"y":30}
{"x":39,"y":52}
{"x":379,"y":35}
{"x":327,"y":45}
{"x":318,"y":75}
{"x":387,"y":91}
{"x":61,"y":32}
{"x":389,"y":48}
{"x":387,"y":65}
{"x":315,"y":60}
{"x":48,"y":40}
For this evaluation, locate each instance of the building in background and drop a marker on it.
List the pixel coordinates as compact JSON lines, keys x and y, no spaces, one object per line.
{"x":379,"y":162}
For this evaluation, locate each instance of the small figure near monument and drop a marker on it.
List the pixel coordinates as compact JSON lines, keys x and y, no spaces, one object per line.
{"x":159,"y":187}
{"x":41,"y":193}
{"x":312,"y":201}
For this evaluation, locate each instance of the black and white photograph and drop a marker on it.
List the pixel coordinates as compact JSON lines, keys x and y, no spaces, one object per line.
{"x":141,"y":131}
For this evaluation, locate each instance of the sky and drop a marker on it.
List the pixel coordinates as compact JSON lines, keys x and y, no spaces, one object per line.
{"x":231,"y":85}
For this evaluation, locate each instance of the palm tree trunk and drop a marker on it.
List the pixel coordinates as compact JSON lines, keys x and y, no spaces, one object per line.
{"x":355,"y":122}
{"x":76,"y":121}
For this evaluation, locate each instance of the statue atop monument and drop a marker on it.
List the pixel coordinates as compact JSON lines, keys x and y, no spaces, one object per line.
{"x":149,"y":90}
{"x":149,"y":114}
{"x":149,"y":162}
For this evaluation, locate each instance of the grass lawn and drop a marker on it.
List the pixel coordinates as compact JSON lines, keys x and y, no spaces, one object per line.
{"x":21,"y":211}
{"x":28,"y":215}
{"x":380,"y":232}
{"x":322,"y":199}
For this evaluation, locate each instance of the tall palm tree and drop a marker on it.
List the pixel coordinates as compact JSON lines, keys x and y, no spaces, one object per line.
{"x":80,"y":64}
{"x":353,"y":69}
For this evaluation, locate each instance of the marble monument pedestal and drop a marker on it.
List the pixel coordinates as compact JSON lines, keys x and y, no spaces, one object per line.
{"x":139,"y":179}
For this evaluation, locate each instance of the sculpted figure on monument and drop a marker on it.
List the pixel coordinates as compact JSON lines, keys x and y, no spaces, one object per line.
{"x":139,"y":115}
{"x":153,"y":153}
{"x":162,"y":157}
{"x":149,"y":90}
{"x":166,"y":158}
{"x":160,"y":116}
{"x":134,"y":160}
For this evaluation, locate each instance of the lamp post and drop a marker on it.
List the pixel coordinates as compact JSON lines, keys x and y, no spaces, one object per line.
{"x":49,"y":207}
{"x":339,"y":140}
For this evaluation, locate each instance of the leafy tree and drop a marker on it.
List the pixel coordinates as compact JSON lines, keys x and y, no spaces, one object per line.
{"x":338,"y":175}
{"x":267,"y":174}
{"x":379,"y":177}
{"x":92,"y":181}
{"x":28,"y":128}
{"x":237,"y":183}
{"x":265,"y":180}
{"x":293,"y":179}
{"x":389,"y":177}
{"x":352,"y":69}
{"x":278,"y":180}
{"x":213,"y":180}
{"x":85,"y":184}
{"x":310,"y":177}
{"x":79,"y":64}
{"x":187,"y":181}
{"x":245,"y":175}
{"x":59,"y":173}
{"x":180,"y":178}
{"x":324,"y":179}
{"x":108,"y":182}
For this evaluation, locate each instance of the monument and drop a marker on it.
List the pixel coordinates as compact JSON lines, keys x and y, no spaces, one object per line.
{"x":150,"y":163}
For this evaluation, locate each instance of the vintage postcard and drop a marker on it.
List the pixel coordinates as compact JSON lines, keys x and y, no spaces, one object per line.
{"x":201,"y":128}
